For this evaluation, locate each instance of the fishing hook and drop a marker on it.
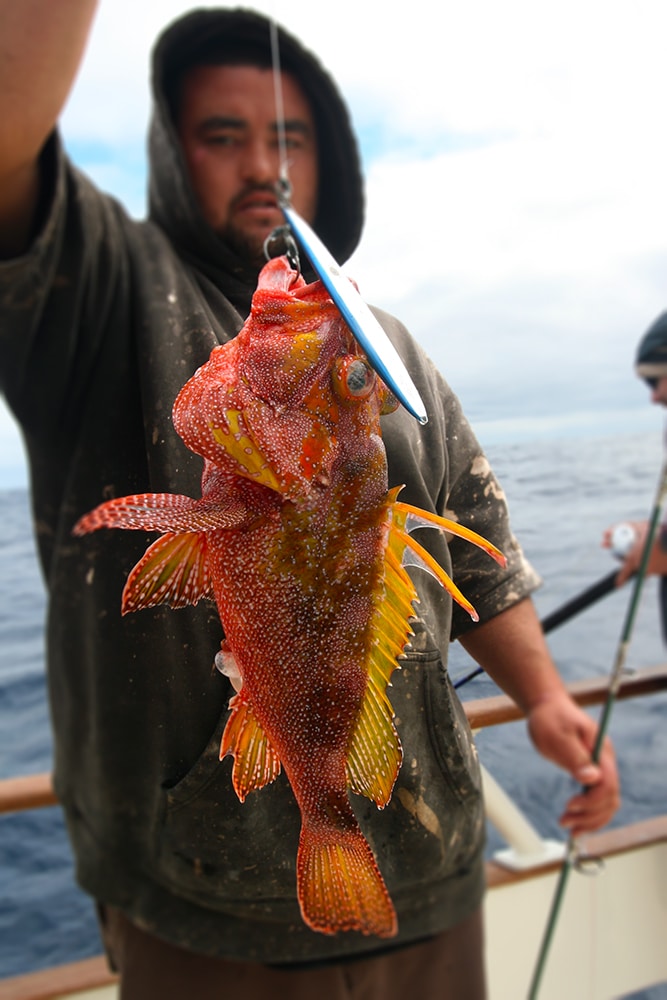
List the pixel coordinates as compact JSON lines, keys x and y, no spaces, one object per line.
{"x":282,"y":237}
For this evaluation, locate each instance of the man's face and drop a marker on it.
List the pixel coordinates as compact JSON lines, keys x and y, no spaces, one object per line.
{"x":658,"y":387}
{"x":229,"y":133}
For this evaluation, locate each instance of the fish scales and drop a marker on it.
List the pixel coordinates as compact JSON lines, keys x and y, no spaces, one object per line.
{"x":301,"y":544}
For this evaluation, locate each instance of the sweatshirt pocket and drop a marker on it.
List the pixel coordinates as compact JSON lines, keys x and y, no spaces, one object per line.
{"x":445,"y":722}
{"x":224,"y":854}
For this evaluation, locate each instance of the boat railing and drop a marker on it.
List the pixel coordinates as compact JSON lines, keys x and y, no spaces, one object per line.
{"x":526,"y":849}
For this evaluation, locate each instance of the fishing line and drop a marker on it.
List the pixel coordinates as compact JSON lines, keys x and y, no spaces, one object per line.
{"x":281,"y":239}
{"x":280,"y":107}
{"x":572,"y":852}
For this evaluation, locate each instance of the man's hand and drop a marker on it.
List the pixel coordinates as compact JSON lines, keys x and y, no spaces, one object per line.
{"x":565,"y":735}
{"x":512,"y":649}
{"x":41,"y":45}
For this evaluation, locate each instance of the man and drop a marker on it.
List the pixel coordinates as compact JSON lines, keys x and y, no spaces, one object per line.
{"x":651,"y":366}
{"x":102,"y":320}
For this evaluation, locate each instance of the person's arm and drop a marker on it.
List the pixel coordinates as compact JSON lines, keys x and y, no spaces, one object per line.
{"x":41,"y":46}
{"x":512,"y":649}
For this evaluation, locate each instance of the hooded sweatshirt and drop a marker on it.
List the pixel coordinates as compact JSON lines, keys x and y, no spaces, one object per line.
{"x":101,"y":323}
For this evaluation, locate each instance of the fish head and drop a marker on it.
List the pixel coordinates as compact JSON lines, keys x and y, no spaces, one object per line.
{"x":278,"y":402}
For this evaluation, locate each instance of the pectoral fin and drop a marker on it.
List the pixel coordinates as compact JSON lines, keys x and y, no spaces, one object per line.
{"x":256,"y":763}
{"x":165,"y":512}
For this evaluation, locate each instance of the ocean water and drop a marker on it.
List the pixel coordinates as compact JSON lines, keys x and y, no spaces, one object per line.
{"x":562,"y":494}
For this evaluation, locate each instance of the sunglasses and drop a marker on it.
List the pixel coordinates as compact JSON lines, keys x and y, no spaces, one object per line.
{"x":652,"y":382}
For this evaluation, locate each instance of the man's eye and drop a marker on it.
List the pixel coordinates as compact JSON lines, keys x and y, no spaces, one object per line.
{"x":220,"y":139}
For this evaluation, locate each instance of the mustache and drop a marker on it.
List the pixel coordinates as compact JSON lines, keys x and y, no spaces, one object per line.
{"x":251,"y":189}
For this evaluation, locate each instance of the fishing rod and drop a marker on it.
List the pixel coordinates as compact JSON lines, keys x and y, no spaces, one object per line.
{"x":572,"y":853}
{"x":563,"y":614}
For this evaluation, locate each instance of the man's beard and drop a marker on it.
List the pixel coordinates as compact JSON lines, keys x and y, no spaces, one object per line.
{"x":248,"y":247}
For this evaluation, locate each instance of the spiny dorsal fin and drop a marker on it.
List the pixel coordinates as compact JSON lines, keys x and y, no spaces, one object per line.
{"x":415,"y":554}
{"x":256,"y":763}
{"x":406,"y":518}
{"x":409,"y":518}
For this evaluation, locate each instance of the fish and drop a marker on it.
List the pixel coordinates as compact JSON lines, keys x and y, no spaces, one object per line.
{"x":303,"y":546}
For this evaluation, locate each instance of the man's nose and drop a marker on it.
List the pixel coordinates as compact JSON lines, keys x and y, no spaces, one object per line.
{"x":260,"y":163}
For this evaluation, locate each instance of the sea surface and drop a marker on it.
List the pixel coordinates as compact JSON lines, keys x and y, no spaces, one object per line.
{"x":562,"y":494}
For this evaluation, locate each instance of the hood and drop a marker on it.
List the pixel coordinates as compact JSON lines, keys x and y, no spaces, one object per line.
{"x":172,"y":203}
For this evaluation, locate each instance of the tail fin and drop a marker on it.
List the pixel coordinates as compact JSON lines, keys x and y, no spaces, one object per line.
{"x":339,"y":884}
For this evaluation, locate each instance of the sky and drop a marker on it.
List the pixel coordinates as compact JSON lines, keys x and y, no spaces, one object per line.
{"x":516,"y":164}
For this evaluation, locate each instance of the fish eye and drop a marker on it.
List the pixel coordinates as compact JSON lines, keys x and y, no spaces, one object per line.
{"x":353,"y":377}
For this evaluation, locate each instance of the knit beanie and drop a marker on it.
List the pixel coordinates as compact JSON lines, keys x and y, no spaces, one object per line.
{"x":651,"y":360}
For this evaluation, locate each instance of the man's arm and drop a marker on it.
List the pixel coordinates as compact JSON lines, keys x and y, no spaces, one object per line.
{"x":512,"y":649}
{"x":41,"y":45}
